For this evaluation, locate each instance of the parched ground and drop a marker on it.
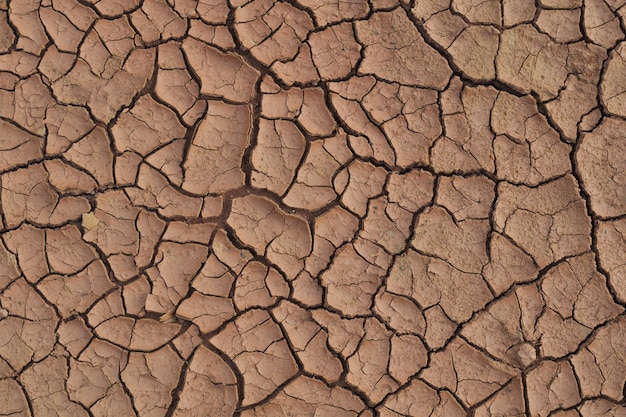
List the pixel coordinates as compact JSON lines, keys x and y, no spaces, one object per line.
{"x":313,"y":208}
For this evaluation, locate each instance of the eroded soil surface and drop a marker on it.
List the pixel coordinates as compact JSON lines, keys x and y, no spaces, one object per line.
{"x":313,"y":208}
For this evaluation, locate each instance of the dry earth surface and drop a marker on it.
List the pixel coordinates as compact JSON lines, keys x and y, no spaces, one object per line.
{"x":313,"y":208}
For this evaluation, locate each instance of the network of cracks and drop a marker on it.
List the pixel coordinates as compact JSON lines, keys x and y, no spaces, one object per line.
{"x":313,"y":208}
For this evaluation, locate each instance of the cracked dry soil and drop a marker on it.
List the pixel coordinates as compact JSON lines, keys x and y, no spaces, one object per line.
{"x":313,"y":208}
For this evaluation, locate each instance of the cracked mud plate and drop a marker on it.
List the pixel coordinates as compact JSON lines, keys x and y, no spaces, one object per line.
{"x":362,"y":208}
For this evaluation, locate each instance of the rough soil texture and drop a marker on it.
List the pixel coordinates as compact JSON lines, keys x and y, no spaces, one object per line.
{"x":313,"y":208}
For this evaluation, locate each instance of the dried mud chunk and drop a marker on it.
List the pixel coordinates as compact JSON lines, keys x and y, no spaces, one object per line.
{"x":527,"y":149}
{"x":146,"y":126}
{"x":309,"y":341}
{"x":9,"y":269}
{"x":444,"y":27}
{"x":479,"y":11}
{"x":373,"y":141}
{"x":74,"y":293}
{"x":612,"y":90}
{"x":468,"y":143}
{"x":601,"y":159}
{"x":365,"y":182}
{"x":55,"y":64}
{"x":314,"y":115}
{"x":212,"y":11}
{"x":418,"y":399}
{"x":44,"y":384}
{"x":395,"y":51}
{"x":169,"y":160}
{"x":25,"y":18}
{"x":551,"y":386}
{"x":412,"y":133}
{"x":463,"y":243}
{"x":280,"y":146}
{"x":407,"y":357}
{"x":67,"y":179}
{"x":556,"y":336}
{"x":467,"y":372}
{"x":333,"y":11}
{"x":576,"y":289}
{"x":220,"y":74}
{"x":307,"y":290}
{"x":518,"y":11}
{"x":271,"y":31}
{"x":531,"y":61}
{"x":63,"y":33}
{"x":65,"y":125}
{"x":210,"y":387}
{"x":439,"y":327}
{"x":411,"y":191}
{"x":258,"y":286}
{"x":344,"y":335}
{"x":611,"y":248}
{"x":602,"y":364}
{"x":299,"y":70}
{"x":175,"y":266}
{"x":27,"y":245}
{"x":466,"y":197}
{"x":93,"y":153}
{"x":498,"y":331}
{"x":600,"y":23}
{"x":284,"y":239}
{"x":7,"y":36}
{"x":157,"y":21}
{"x":137,"y":334}
{"x":217,"y":150}
{"x":154,"y":191}
{"x":335,"y":51}
{"x":601,"y":407}
{"x":387,"y":225}
{"x":256,"y":345}
{"x":561,"y":25}
{"x":135,"y":294}
{"x":433,"y":281}
{"x":578,"y":97}
{"x":206,"y":311}
{"x":425,"y":9}
{"x":351,"y":282}
{"x":313,"y":188}
{"x":66,"y":251}
{"x":151,"y":378}
{"x":509,"y":401}
{"x":15,"y":403}
{"x":20,"y":63}
{"x":116,"y":403}
{"x":111,"y":305}
{"x":475,"y":50}
{"x":187,"y":342}
{"x":215,"y":278}
{"x":116,"y":231}
{"x":106,"y":97}
{"x":308,"y":397}
{"x":174,"y":84}
{"x":508,"y":265}
{"x":548,"y":222}
{"x":32,"y":99}
{"x":18,"y":147}
{"x":368,"y":367}
{"x":236,"y":258}
{"x":28,"y":333}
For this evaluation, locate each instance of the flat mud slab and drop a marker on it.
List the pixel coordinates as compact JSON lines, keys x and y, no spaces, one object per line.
{"x":312,"y":208}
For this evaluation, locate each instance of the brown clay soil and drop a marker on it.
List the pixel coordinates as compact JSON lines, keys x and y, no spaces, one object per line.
{"x":313,"y":208}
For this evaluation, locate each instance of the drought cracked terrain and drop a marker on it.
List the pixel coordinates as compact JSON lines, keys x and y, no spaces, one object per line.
{"x":313,"y":208}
